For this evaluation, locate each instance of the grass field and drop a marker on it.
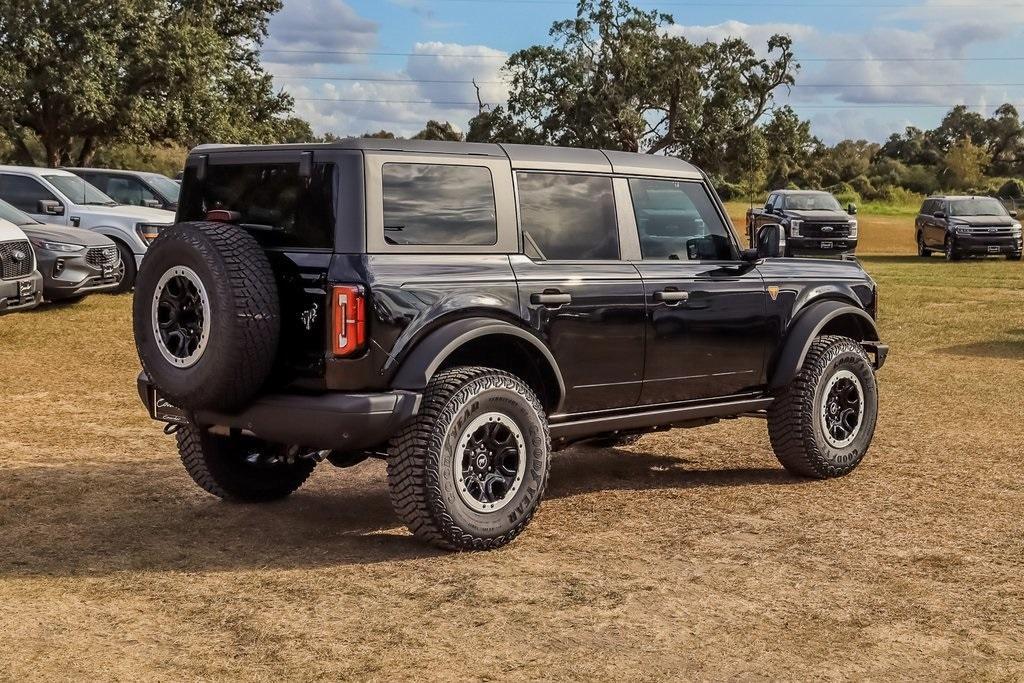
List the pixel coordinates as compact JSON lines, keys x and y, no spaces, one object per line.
{"x":691,"y":555}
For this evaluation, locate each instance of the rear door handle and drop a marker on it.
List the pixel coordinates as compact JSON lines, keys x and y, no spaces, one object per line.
{"x":551,"y":299}
{"x":671,"y":296}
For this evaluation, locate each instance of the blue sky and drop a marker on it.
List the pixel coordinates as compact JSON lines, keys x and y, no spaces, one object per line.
{"x":869,"y":68}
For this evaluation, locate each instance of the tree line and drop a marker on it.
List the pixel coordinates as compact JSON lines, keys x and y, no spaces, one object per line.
{"x":140,"y":81}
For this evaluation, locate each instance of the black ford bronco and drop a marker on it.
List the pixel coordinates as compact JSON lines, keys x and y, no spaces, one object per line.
{"x":464,"y":310}
{"x":815,"y":223}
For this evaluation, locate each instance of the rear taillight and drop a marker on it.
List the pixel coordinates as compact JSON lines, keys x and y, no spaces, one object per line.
{"x":348,"y":329}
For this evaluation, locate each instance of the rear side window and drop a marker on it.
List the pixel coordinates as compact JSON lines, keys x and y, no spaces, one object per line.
{"x":277,"y":205}
{"x":437,"y":204}
{"x":678,"y":221}
{"x":568,"y":217}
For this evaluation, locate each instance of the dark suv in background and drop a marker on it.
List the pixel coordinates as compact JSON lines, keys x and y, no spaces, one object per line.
{"x":462,"y":310}
{"x":815,"y":223}
{"x":961,"y":226}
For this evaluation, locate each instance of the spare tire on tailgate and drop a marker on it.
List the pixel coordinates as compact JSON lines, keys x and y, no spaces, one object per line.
{"x":207,"y":317}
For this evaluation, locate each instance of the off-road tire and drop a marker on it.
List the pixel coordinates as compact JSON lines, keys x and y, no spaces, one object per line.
{"x":217,"y":463}
{"x":794,"y":423}
{"x":422,"y":454}
{"x":922,"y":250}
{"x":1013,"y":257}
{"x":130,"y":270}
{"x":245,"y":324}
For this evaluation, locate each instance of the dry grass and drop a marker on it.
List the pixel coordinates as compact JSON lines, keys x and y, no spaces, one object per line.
{"x":692,"y":555}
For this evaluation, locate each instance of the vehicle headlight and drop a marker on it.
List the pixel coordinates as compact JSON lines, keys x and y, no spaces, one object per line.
{"x":149,"y":231}
{"x":853,"y":230}
{"x":46,"y":245}
{"x":1015,"y":228}
{"x":794,"y":228}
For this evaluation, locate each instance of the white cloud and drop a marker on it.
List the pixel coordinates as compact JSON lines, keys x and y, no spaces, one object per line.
{"x":756,"y":35}
{"x":304,"y":26}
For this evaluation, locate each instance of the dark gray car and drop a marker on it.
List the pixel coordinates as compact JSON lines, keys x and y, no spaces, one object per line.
{"x":73,"y":262}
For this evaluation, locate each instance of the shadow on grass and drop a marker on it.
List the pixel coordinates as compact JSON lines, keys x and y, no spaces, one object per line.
{"x":106,"y":518}
{"x":994,"y":349}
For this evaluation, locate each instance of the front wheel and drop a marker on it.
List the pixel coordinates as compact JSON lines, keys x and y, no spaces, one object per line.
{"x":1013,"y":257}
{"x":126,"y":270}
{"x":950,"y":250}
{"x":469,"y":471}
{"x":821,"y":425}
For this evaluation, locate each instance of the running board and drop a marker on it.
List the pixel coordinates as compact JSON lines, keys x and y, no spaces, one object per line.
{"x":574,"y":429}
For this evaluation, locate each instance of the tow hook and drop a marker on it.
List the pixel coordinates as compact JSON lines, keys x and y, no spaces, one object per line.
{"x":879,"y":350}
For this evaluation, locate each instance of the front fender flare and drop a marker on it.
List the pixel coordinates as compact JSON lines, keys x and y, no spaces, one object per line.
{"x":428,"y":355}
{"x":809,"y":325}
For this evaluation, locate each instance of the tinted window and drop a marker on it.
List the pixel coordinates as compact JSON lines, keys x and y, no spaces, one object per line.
{"x":23,"y":193}
{"x":431,"y":204}
{"x":977,"y":206}
{"x":568,"y":217}
{"x":678,"y":221}
{"x":128,"y":190}
{"x":812,"y":202}
{"x":164,"y":185}
{"x":278,"y":206}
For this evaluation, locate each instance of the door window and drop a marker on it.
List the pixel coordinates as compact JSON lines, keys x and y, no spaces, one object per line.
{"x":435,"y":204}
{"x":568,"y":217}
{"x":130,"y":191}
{"x":23,"y":192}
{"x":677,"y":221}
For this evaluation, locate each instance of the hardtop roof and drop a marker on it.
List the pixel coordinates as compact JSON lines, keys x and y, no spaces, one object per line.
{"x":521,"y":156}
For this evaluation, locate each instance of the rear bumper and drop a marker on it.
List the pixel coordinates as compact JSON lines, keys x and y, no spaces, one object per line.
{"x":332,"y":421}
{"x":21,"y":293}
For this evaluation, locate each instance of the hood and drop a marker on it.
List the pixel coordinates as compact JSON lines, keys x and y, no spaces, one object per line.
{"x":820,"y":216}
{"x":1003,"y":221}
{"x":137,"y":213}
{"x":10,"y":232}
{"x":60,"y":233}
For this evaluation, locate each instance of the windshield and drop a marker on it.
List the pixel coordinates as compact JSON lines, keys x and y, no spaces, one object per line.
{"x":16,"y":216}
{"x":79,"y":191}
{"x":812,"y":202}
{"x":977,"y":206}
{"x":165,"y":186}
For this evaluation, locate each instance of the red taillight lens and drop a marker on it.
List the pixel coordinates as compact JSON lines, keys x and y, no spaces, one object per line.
{"x":348,"y":330}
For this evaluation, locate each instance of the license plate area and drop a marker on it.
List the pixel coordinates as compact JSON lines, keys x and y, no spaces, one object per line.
{"x":826,"y":245}
{"x":163,"y":410}
{"x":993,"y":250}
{"x":24,"y":288}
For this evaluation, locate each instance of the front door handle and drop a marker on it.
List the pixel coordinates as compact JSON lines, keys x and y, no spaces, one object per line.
{"x":551,"y":298}
{"x":671,"y":297}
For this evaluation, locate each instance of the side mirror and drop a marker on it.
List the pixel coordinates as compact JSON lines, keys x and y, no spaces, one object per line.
{"x":851,"y":209}
{"x":50,"y":207}
{"x":771,"y":241}
{"x":1013,"y":214}
{"x":939,"y":214}
{"x":152,"y":204}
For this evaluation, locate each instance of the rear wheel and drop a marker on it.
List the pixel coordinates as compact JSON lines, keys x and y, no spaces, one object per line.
{"x":469,"y":471}
{"x":241,"y":468}
{"x":922,"y":250}
{"x":821,"y":425}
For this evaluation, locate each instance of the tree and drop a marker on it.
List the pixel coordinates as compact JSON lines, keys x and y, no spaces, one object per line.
{"x":965,"y":164}
{"x":615,"y":79}
{"x":77,"y":75}
{"x":791,"y":150}
{"x":1006,"y":140}
{"x":380,"y":135}
{"x":435,"y":130}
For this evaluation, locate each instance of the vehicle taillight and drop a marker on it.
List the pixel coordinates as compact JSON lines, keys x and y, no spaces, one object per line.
{"x":348,"y":330}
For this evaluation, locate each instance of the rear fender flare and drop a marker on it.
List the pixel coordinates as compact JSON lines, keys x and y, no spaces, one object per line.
{"x":810,"y":324}
{"x":429,"y":355}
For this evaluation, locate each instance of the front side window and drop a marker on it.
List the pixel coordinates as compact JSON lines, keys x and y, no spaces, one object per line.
{"x":130,"y":191}
{"x":78,"y":191}
{"x":437,"y":204}
{"x":24,"y":193}
{"x":677,"y":221}
{"x":568,"y":217}
{"x":275,"y":203}
{"x":164,"y":185}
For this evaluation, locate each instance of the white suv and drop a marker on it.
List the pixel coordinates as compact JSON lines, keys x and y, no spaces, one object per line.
{"x":55,"y":196}
{"x":21,"y":285}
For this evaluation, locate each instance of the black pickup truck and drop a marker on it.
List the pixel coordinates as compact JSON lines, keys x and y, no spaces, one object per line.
{"x":814,"y":222}
{"x":464,"y":310}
